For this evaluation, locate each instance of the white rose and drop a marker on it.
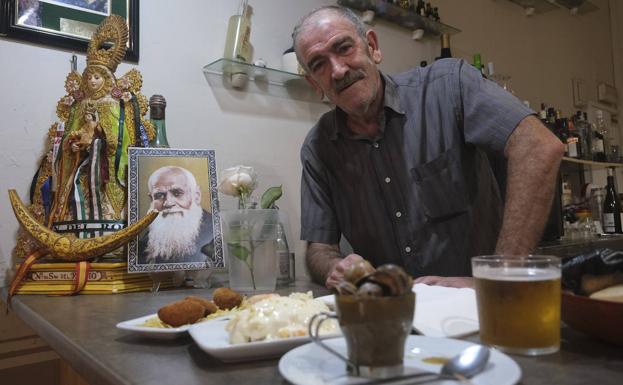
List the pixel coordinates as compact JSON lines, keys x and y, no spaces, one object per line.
{"x":238,"y":180}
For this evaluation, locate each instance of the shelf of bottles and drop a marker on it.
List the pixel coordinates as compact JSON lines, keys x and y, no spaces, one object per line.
{"x":406,"y":18}
{"x":251,"y":78}
{"x":591,"y":162}
{"x":543,"y":6}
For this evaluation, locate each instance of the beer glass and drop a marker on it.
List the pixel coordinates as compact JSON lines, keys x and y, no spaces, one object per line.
{"x":518,"y":302}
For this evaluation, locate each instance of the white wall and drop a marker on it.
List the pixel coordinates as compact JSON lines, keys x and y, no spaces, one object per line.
{"x":541,"y":53}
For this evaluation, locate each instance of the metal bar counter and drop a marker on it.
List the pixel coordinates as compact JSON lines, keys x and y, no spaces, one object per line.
{"x":81,"y":329}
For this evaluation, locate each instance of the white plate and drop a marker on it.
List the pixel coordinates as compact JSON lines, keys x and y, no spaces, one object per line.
{"x":136,"y":325}
{"x":311,"y":365}
{"x":213,"y":339}
{"x":440,"y":311}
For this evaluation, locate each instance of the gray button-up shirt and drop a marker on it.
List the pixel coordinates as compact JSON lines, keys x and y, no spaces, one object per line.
{"x":421,"y":194}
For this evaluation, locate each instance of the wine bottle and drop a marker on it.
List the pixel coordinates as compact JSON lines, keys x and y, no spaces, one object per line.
{"x":157,"y":104}
{"x":445,"y":47}
{"x":598,"y":143}
{"x":574,"y":141}
{"x":238,"y":43}
{"x":612,"y":207}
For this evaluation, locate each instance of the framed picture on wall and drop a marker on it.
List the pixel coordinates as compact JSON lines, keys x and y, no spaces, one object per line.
{"x":181,"y":184}
{"x":66,"y":24}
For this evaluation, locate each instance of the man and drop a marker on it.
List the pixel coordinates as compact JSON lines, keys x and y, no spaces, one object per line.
{"x":183,"y":230}
{"x":400,"y":166}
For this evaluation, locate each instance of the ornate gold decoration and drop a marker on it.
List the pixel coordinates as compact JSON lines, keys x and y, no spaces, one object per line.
{"x":113,"y":30}
{"x":68,"y":246}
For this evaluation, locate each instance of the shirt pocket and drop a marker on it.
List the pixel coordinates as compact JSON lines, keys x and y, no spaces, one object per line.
{"x":440,"y":186}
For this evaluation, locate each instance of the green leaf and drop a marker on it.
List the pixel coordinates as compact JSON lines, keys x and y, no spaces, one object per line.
{"x":270,"y":196}
{"x":238,"y":233}
{"x":239,"y":251}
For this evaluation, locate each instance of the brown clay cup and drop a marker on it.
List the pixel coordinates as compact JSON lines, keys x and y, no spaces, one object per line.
{"x":375,"y":330}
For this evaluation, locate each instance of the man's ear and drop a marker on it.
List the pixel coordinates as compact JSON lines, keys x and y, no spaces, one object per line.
{"x":314,"y":85}
{"x":373,"y":46}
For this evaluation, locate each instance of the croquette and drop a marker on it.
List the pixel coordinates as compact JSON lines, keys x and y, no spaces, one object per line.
{"x":209,"y":306}
{"x":181,"y":313}
{"x":226,"y":298}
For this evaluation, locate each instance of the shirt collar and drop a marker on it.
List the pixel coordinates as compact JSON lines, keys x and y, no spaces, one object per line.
{"x":391,"y":100}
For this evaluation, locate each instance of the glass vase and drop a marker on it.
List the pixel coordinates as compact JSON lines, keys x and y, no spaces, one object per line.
{"x":250,"y":240}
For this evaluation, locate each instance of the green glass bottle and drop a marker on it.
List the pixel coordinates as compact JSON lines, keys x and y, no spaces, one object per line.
{"x":157,"y":104}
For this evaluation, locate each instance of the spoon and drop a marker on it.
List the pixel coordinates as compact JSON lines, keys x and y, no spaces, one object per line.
{"x":464,"y":365}
{"x":468,"y":363}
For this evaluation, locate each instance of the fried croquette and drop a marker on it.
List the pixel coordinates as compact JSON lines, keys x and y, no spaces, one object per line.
{"x":209,"y":306}
{"x":181,"y":313}
{"x":226,"y":298}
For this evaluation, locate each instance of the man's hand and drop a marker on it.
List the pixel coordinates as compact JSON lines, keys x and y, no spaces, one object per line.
{"x":446,"y":281}
{"x":336,"y":275}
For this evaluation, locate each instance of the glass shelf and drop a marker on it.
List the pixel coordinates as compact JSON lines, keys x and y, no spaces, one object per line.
{"x":592,"y":162}
{"x":542,"y":6}
{"x":404,"y":17}
{"x":250,"y":78}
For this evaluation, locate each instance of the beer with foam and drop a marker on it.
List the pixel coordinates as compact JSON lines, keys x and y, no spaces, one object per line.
{"x":519,"y":302}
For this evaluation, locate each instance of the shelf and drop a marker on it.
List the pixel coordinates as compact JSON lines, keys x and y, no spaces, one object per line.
{"x":542,"y":6}
{"x":264,"y":80}
{"x":401,"y":16}
{"x":591,"y":162}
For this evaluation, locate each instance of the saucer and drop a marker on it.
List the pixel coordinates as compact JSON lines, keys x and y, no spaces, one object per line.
{"x":311,"y":365}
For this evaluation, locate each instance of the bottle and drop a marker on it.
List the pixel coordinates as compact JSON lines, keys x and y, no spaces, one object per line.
{"x":419,"y":8}
{"x":574,"y":141}
{"x":583,"y":130}
{"x":157,"y":104}
{"x":543,"y":114}
{"x":445,"y":47}
{"x":598,"y":145}
{"x":428,"y":10}
{"x":601,"y":127}
{"x":612,"y":207}
{"x":284,"y":257}
{"x":238,"y":43}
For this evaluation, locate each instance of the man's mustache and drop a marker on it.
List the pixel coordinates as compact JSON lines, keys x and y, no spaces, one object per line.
{"x":349,"y":78}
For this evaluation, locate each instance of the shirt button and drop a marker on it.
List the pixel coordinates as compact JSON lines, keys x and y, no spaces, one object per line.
{"x":408,"y":249}
{"x":376,"y":144}
{"x":387,"y":180}
{"x":398,"y":214}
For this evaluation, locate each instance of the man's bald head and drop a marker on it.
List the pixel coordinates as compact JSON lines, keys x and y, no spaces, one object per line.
{"x":317,"y":14}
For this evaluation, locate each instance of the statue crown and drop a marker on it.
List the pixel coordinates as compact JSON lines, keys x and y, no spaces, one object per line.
{"x":109,"y":43}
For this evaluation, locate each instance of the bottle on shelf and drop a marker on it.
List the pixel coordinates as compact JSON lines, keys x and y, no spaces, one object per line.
{"x":285,"y":258}
{"x":612,"y":207}
{"x":574,"y":141}
{"x":598,"y":139}
{"x":428,"y":11}
{"x":419,"y":7}
{"x":157,"y":104}
{"x":238,"y":43}
{"x":583,"y":130}
{"x":543,"y":114}
{"x":445,"y":47}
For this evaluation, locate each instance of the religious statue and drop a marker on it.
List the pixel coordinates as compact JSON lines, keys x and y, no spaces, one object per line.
{"x":78,"y":194}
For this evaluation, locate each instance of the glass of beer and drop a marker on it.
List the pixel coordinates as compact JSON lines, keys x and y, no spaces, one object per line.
{"x":518,"y":302}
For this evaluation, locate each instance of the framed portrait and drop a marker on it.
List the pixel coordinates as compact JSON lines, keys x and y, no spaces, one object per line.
{"x":66,"y":24}
{"x":181,"y":184}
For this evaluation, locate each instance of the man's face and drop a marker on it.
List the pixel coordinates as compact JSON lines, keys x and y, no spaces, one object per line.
{"x":339,"y":63}
{"x":171,"y":193}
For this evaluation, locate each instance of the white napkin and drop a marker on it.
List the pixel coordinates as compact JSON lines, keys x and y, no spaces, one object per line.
{"x":440,"y":311}
{"x":445,"y":311}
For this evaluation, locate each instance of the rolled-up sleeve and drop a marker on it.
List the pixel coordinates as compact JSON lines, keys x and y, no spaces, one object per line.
{"x":490,"y":113}
{"x":318,"y":218}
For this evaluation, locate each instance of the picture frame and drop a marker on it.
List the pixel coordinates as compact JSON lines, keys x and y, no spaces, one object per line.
{"x":182,"y":185}
{"x":66,"y":24}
